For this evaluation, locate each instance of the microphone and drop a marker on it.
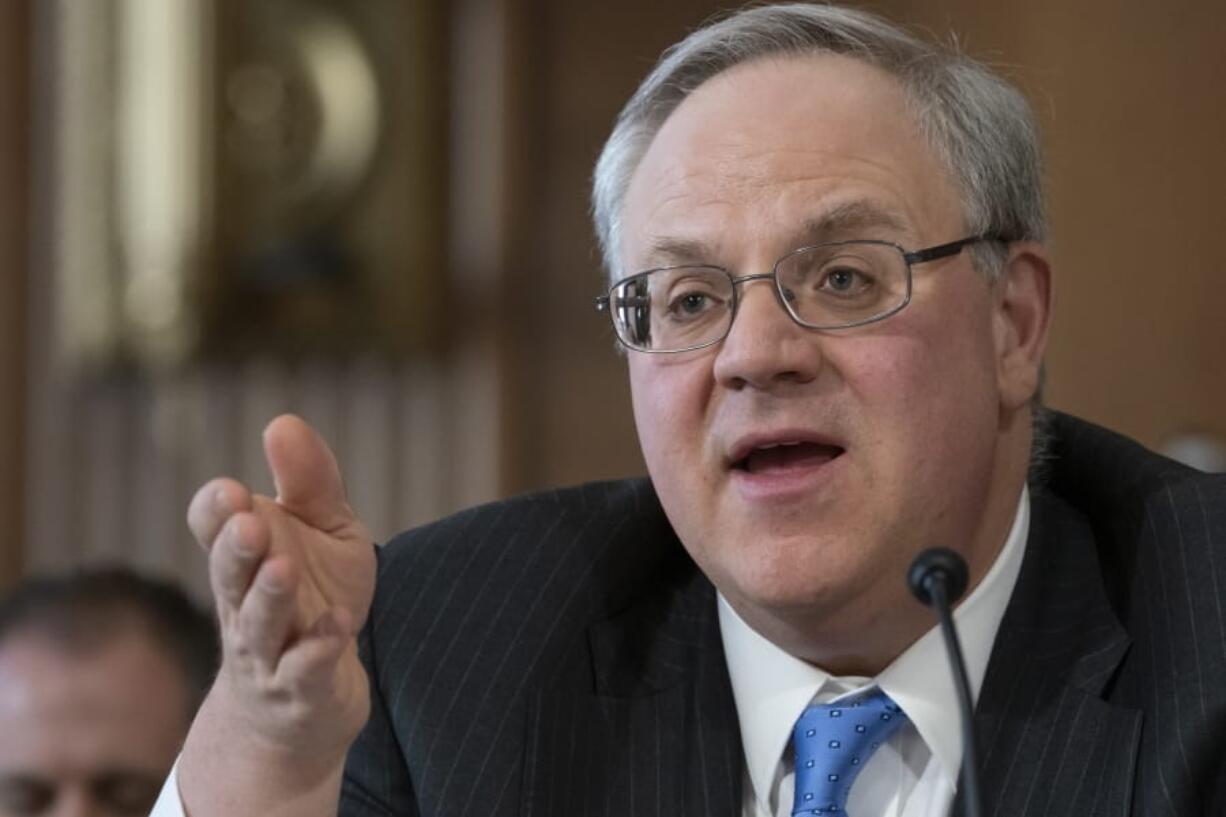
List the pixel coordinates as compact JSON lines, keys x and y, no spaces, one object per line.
{"x":938,"y":578}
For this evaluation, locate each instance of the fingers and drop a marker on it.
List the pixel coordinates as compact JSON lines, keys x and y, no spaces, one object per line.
{"x":235,"y":557}
{"x":307,"y":477}
{"x":311,"y":662}
{"x":213,"y":505}
{"x":256,"y":590}
{"x":266,"y":618}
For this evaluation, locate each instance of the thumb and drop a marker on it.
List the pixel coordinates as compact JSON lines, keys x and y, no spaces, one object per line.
{"x":305,"y":472}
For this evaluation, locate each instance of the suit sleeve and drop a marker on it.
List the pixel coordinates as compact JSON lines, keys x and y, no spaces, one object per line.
{"x":376,"y":782}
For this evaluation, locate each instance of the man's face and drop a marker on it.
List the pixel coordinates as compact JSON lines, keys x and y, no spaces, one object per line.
{"x":803,"y":470}
{"x":92,"y":734}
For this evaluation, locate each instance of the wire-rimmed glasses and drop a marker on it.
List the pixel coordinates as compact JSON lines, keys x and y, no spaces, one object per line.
{"x":836,"y":285}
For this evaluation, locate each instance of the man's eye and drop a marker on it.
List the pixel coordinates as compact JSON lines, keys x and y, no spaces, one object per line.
{"x":24,"y":796}
{"x":693,"y":302}
{"x":128,"y":793}
{"x":690,"y":304}
{"x":845,"y":281}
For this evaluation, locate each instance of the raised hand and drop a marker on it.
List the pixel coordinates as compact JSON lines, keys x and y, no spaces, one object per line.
{"x":293,"y":579}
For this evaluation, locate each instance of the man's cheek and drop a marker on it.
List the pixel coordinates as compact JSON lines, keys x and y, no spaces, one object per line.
{"x":662,"y":404}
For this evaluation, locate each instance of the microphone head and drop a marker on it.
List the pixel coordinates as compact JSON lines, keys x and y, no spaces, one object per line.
{"x":938,"y":564}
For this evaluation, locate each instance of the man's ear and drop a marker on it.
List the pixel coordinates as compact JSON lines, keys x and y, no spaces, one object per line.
{"x":1020,"y":322}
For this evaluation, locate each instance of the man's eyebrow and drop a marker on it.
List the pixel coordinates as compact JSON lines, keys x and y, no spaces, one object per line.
{"x":667,"y":251}
{"x":851,"y":220}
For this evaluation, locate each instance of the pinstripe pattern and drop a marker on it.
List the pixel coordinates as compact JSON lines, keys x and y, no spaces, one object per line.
{"x":1106,"y":691}
{"x":549,"y":655}
{"x":559,"y":655}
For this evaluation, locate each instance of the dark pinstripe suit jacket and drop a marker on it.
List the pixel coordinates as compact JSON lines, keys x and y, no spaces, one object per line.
{"x":559,"y":655}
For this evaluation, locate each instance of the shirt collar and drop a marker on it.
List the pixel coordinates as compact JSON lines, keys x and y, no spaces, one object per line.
{"x":771,"y":687}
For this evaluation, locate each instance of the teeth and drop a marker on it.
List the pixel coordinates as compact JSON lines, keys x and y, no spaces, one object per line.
{"x":779,"y":445}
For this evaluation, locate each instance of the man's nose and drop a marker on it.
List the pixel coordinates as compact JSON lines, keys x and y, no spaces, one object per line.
{"x":765,"y":346}
{"x":76,"y":801}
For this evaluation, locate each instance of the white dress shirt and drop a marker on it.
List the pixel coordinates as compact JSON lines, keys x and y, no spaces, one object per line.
{"x":911,"y":775}
{"x":914,"y":773}
{"x":169,"y":803}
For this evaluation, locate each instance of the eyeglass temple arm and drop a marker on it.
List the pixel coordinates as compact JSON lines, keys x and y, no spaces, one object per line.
{"x":952,"y":248}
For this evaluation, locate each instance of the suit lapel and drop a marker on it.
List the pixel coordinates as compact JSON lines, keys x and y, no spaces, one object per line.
{"x":644,"y":724}
{"x":1049,"y":744}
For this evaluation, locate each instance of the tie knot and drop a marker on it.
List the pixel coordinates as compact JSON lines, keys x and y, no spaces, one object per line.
{"x":832,"y":743}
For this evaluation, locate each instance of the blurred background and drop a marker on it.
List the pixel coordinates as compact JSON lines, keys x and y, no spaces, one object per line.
{"x":374,"y":213}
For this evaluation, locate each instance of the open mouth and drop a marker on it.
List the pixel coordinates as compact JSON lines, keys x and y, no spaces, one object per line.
{"x":786,"y":456}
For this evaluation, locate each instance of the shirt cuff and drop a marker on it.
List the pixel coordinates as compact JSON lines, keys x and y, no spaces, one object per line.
{"x":169,"y":803}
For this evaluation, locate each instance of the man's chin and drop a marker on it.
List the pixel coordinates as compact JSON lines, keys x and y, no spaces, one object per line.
{"x":803,"y":584}
{"x":798,"y":596}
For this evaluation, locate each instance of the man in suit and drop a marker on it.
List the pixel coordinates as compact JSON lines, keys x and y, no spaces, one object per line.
{"x":825,"y":240}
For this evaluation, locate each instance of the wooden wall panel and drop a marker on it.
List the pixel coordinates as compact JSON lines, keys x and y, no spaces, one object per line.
{"x":14,"y":206}
{"x":1137,"y":177}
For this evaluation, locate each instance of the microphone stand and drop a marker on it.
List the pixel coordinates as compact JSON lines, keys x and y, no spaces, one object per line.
{"x":938,"y":578}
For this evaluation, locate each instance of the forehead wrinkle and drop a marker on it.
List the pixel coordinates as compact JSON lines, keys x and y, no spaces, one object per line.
{"x":762,"y":176}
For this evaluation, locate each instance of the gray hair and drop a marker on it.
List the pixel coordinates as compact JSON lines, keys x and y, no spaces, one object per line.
{"x":980,"y":126}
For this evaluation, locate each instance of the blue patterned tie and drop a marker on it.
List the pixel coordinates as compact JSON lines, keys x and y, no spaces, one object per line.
{"x":832,"y":744}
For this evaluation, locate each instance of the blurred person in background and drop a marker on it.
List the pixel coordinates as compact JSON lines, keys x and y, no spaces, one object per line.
{"x":101,"y":672}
